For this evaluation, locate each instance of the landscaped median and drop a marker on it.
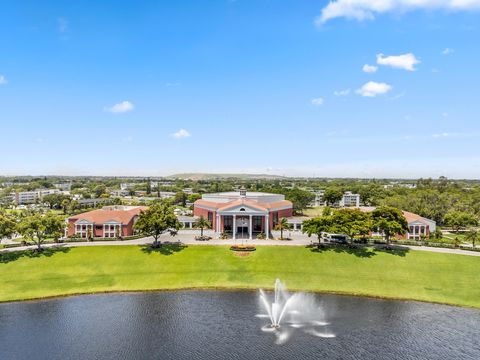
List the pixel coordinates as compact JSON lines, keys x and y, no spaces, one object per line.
{"x":401,"y":274}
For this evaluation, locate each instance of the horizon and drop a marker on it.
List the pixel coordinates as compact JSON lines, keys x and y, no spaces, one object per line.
{"x":226,"y":176}
{"x":315,"y":89}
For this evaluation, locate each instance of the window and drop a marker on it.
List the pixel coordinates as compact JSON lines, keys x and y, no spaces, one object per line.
{"x":227,"y":223}
{"x":210,"y":216}
{"x":257,"y":223}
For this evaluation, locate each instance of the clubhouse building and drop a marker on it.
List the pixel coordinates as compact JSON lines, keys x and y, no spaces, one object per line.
{"x":107,"y":222}
{"x":243,"y":214}
{"x":418,"y":226}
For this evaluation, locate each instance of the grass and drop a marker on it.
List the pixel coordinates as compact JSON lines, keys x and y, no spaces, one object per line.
{"x":314,"y":211}
{"x":402,"y":274}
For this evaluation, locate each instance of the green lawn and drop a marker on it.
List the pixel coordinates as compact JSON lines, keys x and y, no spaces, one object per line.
{"x":314,"y":211}
{"x":417,"y":275}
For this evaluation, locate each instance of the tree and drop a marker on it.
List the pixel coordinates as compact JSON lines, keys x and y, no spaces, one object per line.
{"x":473,"y":236}
{"x":459,"y":220}
{"x":351,"y":222}
{"x":317,"y":226}
{"x":38,"y":228}
{"x":149,"y":186}
{"x":156,"y":220}
{"x":332,"y":195}
{"x":65,"y":204}
{"x":282,"y":225}
{"x":99,"y":190}
{"x":54,"y":226}
{"x":7,"y":226}
{"x":194,"y":197}
{"x":54,"y":200}
{"x":202,"y":223}
{"x":180,"y":198}
{"x":389,"y":221}
{"x":300,"y":199}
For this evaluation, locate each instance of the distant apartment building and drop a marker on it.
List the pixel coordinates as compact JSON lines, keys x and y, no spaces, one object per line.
{"x":31,"y":197}
{"x":348,"y":199}
{"x":65,"y":186}
{"x":119,"y":193}
{"x":318,"y":201}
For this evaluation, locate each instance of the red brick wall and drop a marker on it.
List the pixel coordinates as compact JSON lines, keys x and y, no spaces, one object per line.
{"x":204,"y":212}
{"x":285,"y":213}
{"x":71,"y":227}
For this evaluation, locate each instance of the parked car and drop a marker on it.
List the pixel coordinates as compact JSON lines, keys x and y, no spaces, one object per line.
{"x":336,"y":238}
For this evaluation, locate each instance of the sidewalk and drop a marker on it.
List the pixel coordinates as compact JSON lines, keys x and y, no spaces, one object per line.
{"x":188,"y":238}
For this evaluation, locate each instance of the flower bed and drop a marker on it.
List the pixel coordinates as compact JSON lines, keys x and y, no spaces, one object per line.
{"x":243,"y":248}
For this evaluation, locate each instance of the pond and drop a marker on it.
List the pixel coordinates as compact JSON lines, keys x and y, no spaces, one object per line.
{"x":223,"y":325}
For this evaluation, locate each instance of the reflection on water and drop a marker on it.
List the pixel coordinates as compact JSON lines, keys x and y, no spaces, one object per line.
{"x":222,"y":325}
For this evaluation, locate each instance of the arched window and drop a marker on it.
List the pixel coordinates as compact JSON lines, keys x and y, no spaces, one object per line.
{"x":242,"y":209}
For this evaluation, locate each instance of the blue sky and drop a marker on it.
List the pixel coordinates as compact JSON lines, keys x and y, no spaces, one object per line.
{"x":264,"y":86}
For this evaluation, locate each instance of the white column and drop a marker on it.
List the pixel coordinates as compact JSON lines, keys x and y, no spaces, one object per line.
{"x":217,"y":225}
{"x":250,"y":229}
{"x":267,"y":225}
{"x":234,"y":225}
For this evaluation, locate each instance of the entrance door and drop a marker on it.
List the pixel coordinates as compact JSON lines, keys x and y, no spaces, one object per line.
{"x":242,"y":232}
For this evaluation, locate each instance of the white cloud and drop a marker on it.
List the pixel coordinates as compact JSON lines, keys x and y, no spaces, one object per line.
{"x":367,"y":9}
{"x":369,"y":68}
{"x":405,"y":61}
{"x":123,"y":107}
{"x":372,"y":89}
{"x":440,"y":135}
{"x":62,"y":25}
{"x":3,"y":80}
{"x":447,"y":51}
{"x":318,"y":101}
{"x":181,"y":134}
{"x":341,"y":92}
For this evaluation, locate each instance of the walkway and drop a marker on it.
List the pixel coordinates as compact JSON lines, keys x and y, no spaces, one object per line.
{"x":187,"y":237}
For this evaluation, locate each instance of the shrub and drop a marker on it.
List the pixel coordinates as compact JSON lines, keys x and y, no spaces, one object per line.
{"x":261,"y":236}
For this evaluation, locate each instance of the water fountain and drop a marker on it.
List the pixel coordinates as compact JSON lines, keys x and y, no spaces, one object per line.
{"x":276,"y":309}
{"x":288,"y":312}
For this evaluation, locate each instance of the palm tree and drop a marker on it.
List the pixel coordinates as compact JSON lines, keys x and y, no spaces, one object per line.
{"x":473,"y":236}
{"x":282,"y":225}
{"x":202,"y":223}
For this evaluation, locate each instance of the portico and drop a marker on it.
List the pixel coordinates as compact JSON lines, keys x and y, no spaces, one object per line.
{"x":242,"y":222}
